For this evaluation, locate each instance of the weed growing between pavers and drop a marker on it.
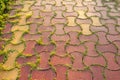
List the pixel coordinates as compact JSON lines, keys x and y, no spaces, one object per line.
{"x":4,"y":9}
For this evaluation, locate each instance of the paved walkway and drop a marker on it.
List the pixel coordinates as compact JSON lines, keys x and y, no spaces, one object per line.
{"x":61,"y":40}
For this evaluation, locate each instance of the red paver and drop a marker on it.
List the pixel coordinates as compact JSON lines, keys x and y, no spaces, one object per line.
{"x":24,"y":72}
{"x":80,"y":75}
{"x":44,"y":60}
{"x":94,"y":60}
{"x":55,"y":60}
{"x":43,"y":75}
{"x":110,"y":75}
{"x":78,"y":61}
{"x":97,"y":72}
{"x":60,"y":69}
{"x":111,"y":64}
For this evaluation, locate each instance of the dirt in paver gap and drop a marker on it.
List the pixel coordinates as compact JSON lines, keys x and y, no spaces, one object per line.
{"x":61,"y":40}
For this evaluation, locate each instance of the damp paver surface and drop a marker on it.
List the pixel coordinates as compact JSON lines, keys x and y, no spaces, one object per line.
{"x":61,"y":40}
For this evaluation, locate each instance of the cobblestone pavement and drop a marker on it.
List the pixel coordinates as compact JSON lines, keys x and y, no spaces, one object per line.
{"x":61,"y":40}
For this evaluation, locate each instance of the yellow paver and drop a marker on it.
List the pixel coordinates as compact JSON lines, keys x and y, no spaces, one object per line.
{"x":81,"y":14}
{"x":96,"y":21}
{"x":19,"y":47}
{"x":86,"y":29}
{"x":9,"y":75}
{"x":17,"y":37}
{"x":10,"y":63}
{"x":24,"y":28}
{"x":71,"y":21}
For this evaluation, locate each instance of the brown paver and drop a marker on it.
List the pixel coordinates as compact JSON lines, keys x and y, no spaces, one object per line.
{"x":61,"y":40}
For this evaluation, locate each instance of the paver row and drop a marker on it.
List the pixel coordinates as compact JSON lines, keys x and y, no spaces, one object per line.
{"x":61,"y":40}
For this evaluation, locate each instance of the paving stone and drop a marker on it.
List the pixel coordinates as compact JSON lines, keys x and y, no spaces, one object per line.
{"x":60,"y":48}
{"x":24,"y":73}
{"x":55,"y":60}
{"x":7,"y":28}
{"x":97,"y":72}
{"x":29,"y":47}
{"x":1,"y":58}
{"x":7,"y":36}
{"x":45,"y":28}
{"x":104,"y":15}
{"x":79,"y":3}
{"x":34,"y":20}
{"x":61,"y":40}
{"x":99,"y":2}
{"x":68,"y":29}
{"x":70,"y":14}
{"x":60,"y":75}
{"x":44,"y":60}
{"x":91,"y":51}
{"x":69,"y":5}
{"x":37,"y":74}
{"x":42,"y":48}
{"x":117,"y":44}
{"x":107,"y":21}
{"x":111,"y":64}
{"x":27,"y":5}
{"x":19,"y":47}
{"x":77,"y":64}
{"x":17,"y":37}
{"x":10,"y":62}
{"x":59,"y":14}
{"x":45,"y":37}
{"x":113,"y":37}
{"x":83,"y":21}
{"x":58,"y":20}
{"x":85,"y":29}
{"x":58,"y":3}
{"x":94,"y":61}
{"x":92,"y":37}
{"x":12,"y":74}
{"x":110,"y":75}
{"x":118,"y":60}
{"x":20,"y":28}
{"x":75,"y":48}
{"x":22,"y":60}
{"x":84,"y":75}
{"x":33,"y":28}
{"x":28,"y":37}
{"x":90,"y":14}
{"x":74,"y":38}
{"x":60,"y":37}
{"x":102,"y":38}
{"x":96,"y":21}
{"x":59,"y":29}
{"x":111,"y":28}
{"x":98,"y":29}
{"x":71,"y":21}
{"x":106,"y":48}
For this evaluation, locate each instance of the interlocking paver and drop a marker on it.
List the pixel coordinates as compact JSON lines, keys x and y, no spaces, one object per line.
{"x":61,"y":40}
{"x":24,"y":73}
{"x":97,"y":72}
{"x":76,"y":75}
{"x":107,"y":48}
{"x":77,"y":64}
{"x":110,"y":75}
{"x":91,"y":51}
{"x":102,"y":40}
{"x":38,"y":74}
{"x":60,"y":69}
{"x":111,"y":64}
{"x":89,"y":61}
